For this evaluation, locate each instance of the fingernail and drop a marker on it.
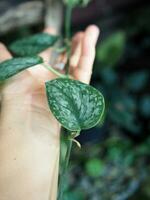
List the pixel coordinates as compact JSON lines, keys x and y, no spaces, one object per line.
{"x":93,"y":34}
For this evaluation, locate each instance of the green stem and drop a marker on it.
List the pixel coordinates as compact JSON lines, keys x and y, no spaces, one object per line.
{"x":68,"y":22}
{"x":54,"y":71}
{"x":70,"y":141}
{"x":64,"y":170}
{"x":68,"y":35}
{"x":68,"y":62}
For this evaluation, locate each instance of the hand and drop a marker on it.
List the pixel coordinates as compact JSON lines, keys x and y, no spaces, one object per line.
{"x":29,"y":134}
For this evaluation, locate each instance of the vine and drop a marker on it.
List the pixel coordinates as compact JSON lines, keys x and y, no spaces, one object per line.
{"x":77,"y":106}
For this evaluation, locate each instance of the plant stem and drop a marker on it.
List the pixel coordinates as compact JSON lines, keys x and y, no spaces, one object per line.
{"x":54,"y":71}
{"x":64,"y":170}
{"x":68,"y":35}
{"x":69,"y":141}
{"x":68,"y":22}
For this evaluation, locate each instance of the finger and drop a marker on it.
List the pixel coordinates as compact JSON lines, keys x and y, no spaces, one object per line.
{"x":76,"y":49}
{"x":85,"y":65}
{"x":4,"y":53}
{"x":61,"y":62}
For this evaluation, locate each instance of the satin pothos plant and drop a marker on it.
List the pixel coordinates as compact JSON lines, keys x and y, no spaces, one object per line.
{"x":76,"y":105}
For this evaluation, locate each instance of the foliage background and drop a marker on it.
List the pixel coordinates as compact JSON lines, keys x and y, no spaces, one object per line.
{"x":114,"y":161}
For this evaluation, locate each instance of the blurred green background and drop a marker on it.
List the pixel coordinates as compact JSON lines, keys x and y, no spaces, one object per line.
{"x":114,"y":162}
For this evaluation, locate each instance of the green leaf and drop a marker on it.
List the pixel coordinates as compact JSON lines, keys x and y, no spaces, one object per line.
{"x":75,"y":105}
{"x":138,"y":80}
{"x":108,"y":76}
{"x":33,"y":45}
{"x":145,"y":106}
{"x":110,"y":51}
{"x":13,"y":66}
{"x":124,"y":118}
{"x":94,"y":167}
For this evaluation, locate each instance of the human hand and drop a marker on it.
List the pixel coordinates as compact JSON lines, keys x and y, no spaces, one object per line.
{"x":29,"y":144}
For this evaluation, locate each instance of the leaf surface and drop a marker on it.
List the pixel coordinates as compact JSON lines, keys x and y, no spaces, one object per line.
{"x":33,"y":45}
{"x":75,"y":105}
{"x":13,"y":66}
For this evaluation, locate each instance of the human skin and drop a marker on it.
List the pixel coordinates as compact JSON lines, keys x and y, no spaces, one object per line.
{"x":29,"y":134}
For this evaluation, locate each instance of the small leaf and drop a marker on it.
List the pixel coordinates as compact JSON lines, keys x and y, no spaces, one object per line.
{"x":13,"y":66}
{"x":94,"y":167}
{"x":75,"y":105}
{"x":108,"y":76}
{"x":138,"y":80}
{"x":111,"y":50}
{"x":145,"y":106}
{"x":33,"y":45}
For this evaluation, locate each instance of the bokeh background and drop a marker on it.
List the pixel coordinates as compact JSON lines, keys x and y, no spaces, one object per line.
{"x":114,"y":162}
